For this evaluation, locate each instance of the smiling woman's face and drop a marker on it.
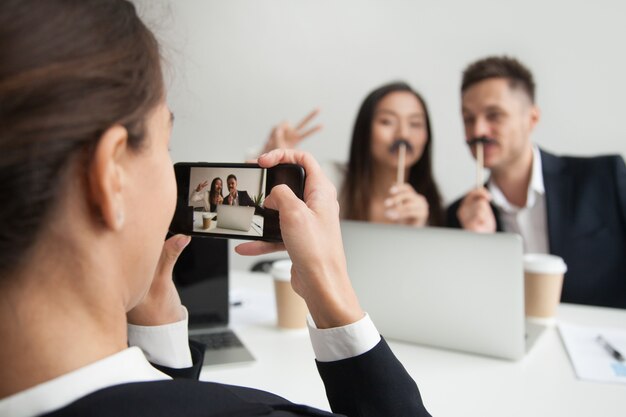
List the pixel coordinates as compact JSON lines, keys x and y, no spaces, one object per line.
{"x":399,"y":115}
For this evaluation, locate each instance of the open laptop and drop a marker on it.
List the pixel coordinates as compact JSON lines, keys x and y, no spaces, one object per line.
{"x":201,"y":277}
{"x":441,"y":287}
{"x":234,"y":217}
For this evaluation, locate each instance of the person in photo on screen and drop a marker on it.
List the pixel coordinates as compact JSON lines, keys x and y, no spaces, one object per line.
{"x":92,"y":323}
{"x":236,"y":197}
{"x":573,"y":207}
{"x":211,"y":197}
{"x":369,"y":190}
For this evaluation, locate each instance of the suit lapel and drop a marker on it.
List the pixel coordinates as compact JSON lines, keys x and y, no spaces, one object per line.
{"x":496,"y":215}
{"x":558,"y":188}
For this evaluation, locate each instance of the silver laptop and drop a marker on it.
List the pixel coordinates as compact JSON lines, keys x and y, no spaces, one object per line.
{"x":201,"y":278}
{"x":234,"y":217}
{"x":441,"y":287}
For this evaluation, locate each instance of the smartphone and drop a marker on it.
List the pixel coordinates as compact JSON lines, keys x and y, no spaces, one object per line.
{"x":226,"y":200}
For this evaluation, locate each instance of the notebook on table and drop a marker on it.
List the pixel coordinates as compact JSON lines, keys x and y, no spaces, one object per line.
{"x":441,"y":287}
{"x":201,"y":277}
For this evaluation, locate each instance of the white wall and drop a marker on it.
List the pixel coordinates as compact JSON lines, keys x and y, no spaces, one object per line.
{"x":240,"y":66}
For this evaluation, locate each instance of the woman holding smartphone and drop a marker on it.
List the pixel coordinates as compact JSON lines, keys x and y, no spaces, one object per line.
{"x":369,"y":189}
{"x":91,"y":322}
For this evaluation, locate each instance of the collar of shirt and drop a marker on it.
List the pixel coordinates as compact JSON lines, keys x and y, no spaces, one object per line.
{"x":535,"y":187}
{"x":129,"y":365}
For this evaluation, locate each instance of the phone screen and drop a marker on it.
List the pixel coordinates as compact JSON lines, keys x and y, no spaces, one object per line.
{"x":226,"y":200}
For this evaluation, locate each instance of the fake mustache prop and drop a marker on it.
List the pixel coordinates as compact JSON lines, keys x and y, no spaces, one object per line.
{"x":479,"y":143}
{"x":401,"y":146}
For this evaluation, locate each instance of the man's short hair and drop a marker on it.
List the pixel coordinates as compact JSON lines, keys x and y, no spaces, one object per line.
{"x":231,"y":176}
{"x":500,"y":67}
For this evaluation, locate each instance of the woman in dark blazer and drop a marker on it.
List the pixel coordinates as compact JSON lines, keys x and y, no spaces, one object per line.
{"x":91,"y":321}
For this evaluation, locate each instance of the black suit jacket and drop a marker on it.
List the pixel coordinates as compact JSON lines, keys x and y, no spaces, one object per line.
{"x":244,"y":198}
{"x":586,"y":215}
{"x":372,"y":384}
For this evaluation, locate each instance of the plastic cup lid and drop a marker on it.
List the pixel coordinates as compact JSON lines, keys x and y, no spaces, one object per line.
{"x":206,"y":215}
{"x":540,"y":263}
{"x":281,"y":270}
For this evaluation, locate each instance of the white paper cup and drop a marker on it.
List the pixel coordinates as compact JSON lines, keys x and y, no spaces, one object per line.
{"x":206,"y":220}
{"x":290,"y":307}
{"x":543,"y":282}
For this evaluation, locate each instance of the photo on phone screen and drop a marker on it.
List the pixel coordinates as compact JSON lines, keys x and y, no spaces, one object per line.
{"x":226,"y":200}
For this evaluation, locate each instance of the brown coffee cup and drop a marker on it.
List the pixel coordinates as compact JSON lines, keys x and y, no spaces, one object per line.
{"x":206,"y":220}
{"x":543,"y":281}
{"x":290,"y":307}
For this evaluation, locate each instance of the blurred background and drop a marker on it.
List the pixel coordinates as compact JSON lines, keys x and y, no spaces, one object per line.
{"x":235,"y":68}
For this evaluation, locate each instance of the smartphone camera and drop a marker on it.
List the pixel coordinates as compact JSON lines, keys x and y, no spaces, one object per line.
{"x":226,"y":200}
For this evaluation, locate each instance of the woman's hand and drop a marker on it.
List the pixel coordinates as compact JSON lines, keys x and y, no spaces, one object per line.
{"x":202,"y":186}
{"x":217,"y":199}
{"x":312,"y":237}
{"x":161,"y":304}
{"x":406,"y":206}
{"x":284,"y":136}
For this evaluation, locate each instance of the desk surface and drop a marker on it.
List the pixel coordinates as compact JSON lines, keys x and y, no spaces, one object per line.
{"x":256,"y":226}
{"x":451,"y":383}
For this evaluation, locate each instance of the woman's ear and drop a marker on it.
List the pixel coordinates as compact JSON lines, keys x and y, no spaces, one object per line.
{"x":106,"y":176}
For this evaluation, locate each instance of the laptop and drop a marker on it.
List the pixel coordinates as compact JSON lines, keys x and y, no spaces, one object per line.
{"x":445,"y":288}
{"x":201,"y":277}
{"x":234,"y":217}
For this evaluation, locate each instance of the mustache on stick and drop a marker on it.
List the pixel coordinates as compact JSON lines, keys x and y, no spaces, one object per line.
{"x":395,"y":146}
{"x":481,"y":139}
{"x":401,"y":146}
{"x":479,"y":143}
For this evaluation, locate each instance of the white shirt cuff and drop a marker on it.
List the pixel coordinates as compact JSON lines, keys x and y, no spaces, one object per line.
{"x":343,"y":342}
{"x":166,"y":345}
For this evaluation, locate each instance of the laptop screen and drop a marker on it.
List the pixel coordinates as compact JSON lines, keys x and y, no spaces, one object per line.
{"x":201,"y":277}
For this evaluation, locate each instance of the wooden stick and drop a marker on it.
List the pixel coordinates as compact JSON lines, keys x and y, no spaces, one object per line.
{"x":480,"y":164}
{"x":401,"y":162}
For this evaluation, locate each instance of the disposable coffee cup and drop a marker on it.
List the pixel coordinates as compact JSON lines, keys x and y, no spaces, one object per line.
{"x":290,"y":307}
{"x":543,"y":282}
{"x":206,"y":220}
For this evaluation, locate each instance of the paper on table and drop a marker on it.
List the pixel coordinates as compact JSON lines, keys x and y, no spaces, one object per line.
{"x":590,"y":360}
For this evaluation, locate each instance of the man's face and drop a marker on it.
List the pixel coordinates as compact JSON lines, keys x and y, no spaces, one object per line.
{"x":232,"y":185}
{"x":494,"y":109}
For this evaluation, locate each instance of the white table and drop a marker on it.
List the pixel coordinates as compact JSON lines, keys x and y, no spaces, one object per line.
{"x":451,"y":383}
{"x":256,"y":226}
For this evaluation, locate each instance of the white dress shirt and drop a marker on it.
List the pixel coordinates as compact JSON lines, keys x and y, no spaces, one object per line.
{"x":529,"y":221}
{"x":165,"y":345}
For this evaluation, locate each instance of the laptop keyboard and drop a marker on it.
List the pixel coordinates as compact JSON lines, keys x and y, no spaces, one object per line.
{"x":218,"y":340}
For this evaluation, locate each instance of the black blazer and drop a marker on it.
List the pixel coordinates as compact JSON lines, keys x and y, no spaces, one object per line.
{"x":586,"y":215}
{"x":372,"y":384}
{"x":244,"y":198}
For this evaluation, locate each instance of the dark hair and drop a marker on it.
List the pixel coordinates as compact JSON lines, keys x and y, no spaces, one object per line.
{"x":69,"y":70}
{"x":500,"y":67}
{"x":231,"y":176}
{"x":357,"y":185}
{"x":213,"y":192}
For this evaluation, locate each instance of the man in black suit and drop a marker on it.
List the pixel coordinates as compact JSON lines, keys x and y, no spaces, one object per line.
{"x":568,"y":206}
{"x":236,"y":197}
